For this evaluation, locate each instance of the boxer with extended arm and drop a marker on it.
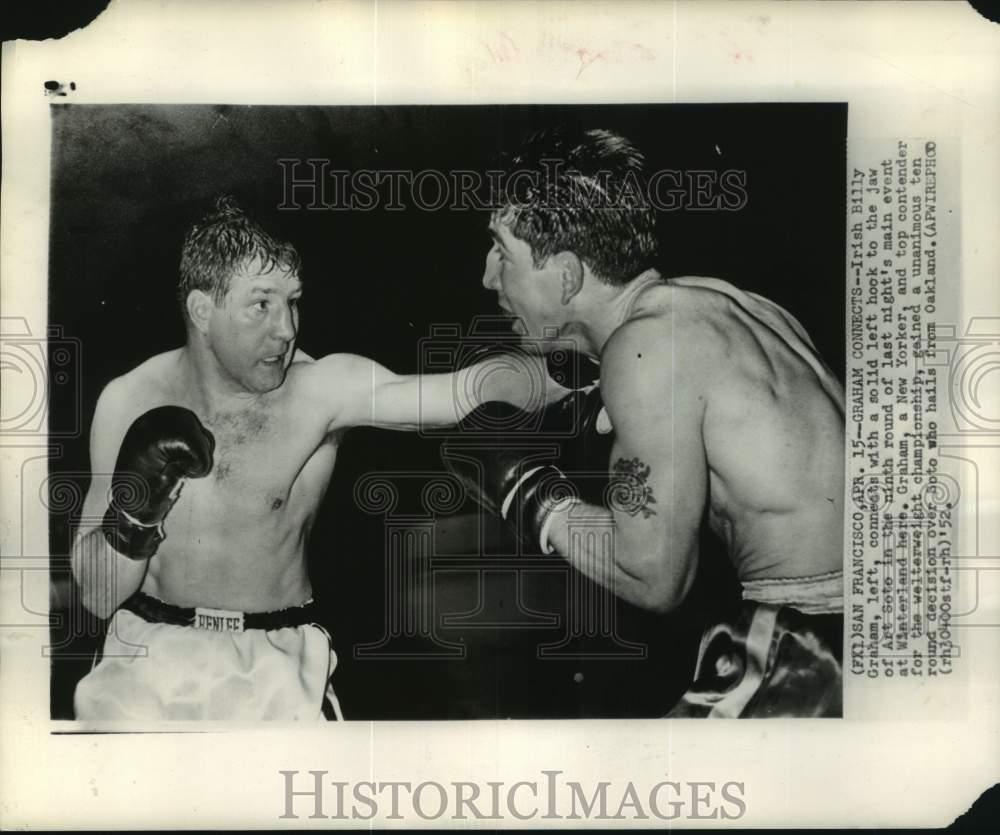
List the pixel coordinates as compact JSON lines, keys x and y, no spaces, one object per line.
{"x":721,"y":409}
{"x":209,"y":463}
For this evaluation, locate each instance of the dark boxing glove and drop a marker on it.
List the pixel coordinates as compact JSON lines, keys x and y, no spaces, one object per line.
{"x":506,"y":480}
{"x":580,"y":426}
{"x":161,"y":447}
{"x":571,"y":369}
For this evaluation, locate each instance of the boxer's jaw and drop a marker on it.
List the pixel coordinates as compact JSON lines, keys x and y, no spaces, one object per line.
{"x":516,"y":323}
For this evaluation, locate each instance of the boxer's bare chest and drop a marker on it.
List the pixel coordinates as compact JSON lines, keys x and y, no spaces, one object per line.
{"x":235,"y":537}
{"x":248,"y":451}
{"x":264,"y":458}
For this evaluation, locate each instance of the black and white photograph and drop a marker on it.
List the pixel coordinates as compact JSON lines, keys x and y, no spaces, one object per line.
{"x":488,"y":414}
{"x":449,"y":412}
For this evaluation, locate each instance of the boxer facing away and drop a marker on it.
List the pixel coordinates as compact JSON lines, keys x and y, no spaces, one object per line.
{"x":221,"y":451}
{"x":721,"y":410}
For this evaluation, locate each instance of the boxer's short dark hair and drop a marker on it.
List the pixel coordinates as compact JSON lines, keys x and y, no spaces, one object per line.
{"x":583,"y":192}
{"x":222,"y":242}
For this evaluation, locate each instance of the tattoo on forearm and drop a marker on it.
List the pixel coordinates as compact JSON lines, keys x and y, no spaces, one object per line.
{"x":630,"y":491}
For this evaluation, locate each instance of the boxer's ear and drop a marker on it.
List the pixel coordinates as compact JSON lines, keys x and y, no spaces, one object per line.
{"x":570,"y":269}
{"x":199,"y":308}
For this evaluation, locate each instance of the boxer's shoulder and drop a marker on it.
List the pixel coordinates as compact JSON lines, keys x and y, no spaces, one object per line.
{"x":144,"y":387}
{"x":300,"y":358}
{"x":335,"y":381}
{"x":301,"y":379}
{"x":341,"y":371}
{"x":154,"y":373}
{"x":671,"y":336}
{"x":653,"y":356}
{"x":703,"y":283}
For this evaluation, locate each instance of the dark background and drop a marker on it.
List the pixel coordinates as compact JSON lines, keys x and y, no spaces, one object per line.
{"x":128,"y":180}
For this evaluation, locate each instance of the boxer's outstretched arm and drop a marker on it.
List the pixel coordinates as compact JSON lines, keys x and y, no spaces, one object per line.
{"x":658,"y":460}
{"x":105,"y":577}
{"x":360,"y":392}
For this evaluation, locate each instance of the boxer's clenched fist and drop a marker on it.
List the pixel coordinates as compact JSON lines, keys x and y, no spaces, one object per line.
{"x":499,"y":477}
{"x":162,"y":447}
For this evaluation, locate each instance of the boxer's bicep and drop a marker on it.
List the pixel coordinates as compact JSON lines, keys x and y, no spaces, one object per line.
{"x":657,"y":463}
{"x":351,"y":390}
{"x":357,"y":391}
{"x":400,"y":404}
{"x":426,"y":401}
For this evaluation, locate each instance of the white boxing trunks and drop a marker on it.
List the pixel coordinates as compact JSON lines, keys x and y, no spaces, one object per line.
{"x":162,"y":662}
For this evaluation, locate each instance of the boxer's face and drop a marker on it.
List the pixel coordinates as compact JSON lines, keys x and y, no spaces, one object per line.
{"x":530,"y":294}
{"x":252,"y":333}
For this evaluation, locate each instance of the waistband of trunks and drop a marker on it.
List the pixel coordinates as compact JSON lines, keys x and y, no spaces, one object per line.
{"x":156,"y":611}
{"x":820,"y":594}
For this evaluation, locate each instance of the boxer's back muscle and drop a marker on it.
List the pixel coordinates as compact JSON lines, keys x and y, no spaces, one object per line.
{"x":773,"y":433}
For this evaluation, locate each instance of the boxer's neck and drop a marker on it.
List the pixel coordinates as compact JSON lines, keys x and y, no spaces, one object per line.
{"x":609,"y":311}
{"x":210,"y":391}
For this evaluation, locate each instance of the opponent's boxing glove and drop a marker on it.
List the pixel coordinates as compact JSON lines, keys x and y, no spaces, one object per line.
{"x":581,"y":427}
{"x":571,"y":369}
{"x":577,"y":416}
{"x":506,"y":480}
{"x":161,"y":447}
